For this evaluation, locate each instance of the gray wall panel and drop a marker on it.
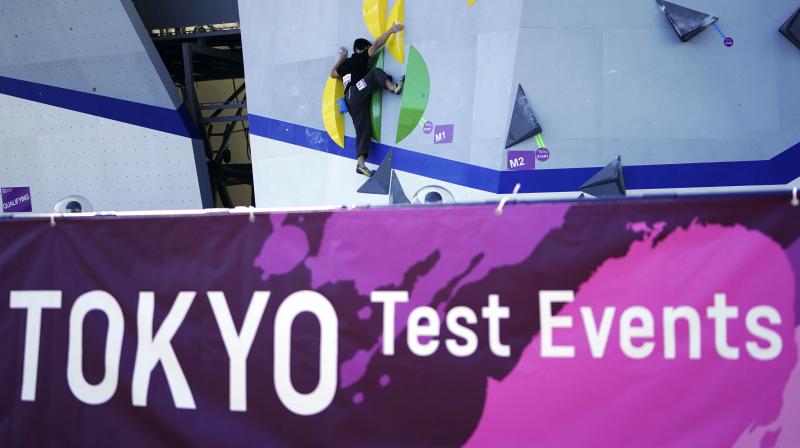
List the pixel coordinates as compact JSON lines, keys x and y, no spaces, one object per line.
{"x":494,"y":75}
{"x":117,"y":166}
{"x":660,"y":100}
{"x":605,"y":77}
{"x":561,"y":72}
{"x":94,"y":47}
{"x":64,"y":44}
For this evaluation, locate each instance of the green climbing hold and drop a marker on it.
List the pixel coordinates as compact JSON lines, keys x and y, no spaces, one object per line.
{"x":377,"y":100}
{"x":416,"y":93}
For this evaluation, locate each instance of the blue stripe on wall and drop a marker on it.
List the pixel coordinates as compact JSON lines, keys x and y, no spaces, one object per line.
{"x":779,"y":170}
{"x":162,"y":119}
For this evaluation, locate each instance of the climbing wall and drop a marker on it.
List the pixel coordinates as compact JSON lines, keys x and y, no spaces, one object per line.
{"x":88,"y":109}
{"x":604,"y":79}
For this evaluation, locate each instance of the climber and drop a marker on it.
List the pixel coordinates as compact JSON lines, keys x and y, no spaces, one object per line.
{"x":359,"y":83}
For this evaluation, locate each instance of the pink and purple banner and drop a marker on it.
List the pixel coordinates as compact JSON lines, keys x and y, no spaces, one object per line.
{"x":630,"y":323}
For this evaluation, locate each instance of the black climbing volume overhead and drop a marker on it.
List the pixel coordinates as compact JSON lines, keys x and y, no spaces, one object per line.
{"x":524,"y":124}
{"x":791,"y":29}
{"x":686,"y":22}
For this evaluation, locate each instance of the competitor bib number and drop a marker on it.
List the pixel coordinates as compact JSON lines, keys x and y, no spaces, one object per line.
{"x":361,"y":85}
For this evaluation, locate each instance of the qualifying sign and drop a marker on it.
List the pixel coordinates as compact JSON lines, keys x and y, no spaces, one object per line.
{"x":16,"y":199}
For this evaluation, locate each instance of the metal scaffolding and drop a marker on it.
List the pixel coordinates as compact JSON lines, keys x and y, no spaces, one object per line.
{"x":208,"y":53}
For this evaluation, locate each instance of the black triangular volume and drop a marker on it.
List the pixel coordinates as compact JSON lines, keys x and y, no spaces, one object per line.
{"x":379,"y":182}
{"x":608,"y":174}
{"x":396,"y":193}
{"x":791,"y":29}
{"x":686,"y":22}
{"x":599,"y":191}
{"x":607,"y":182}
{"x":524,"y":124}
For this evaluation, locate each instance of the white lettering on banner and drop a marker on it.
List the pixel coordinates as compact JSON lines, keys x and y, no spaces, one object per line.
{"x":692,"y":318}
{"x":103,"y":391}
{"x":598,"y":338}
{"x":720,"y":312}
{"x":637,"y":338}
{"x":389,"y":299}
{"x":775,"y":346}
{"x":322,"y":396}
{"x":34,"y":302}
{"x":548,"y":323}
{"x":628,"y":332}
{"x":238,"y":344}
{"x":463,"y":332}
{"x":637,"y":322}
{"x":416,"y":330}
{"x":152,"y":350}
{"x":493,"y":313}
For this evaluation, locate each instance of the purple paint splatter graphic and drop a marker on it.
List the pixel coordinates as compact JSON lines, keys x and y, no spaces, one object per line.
{"x":286,"y":248}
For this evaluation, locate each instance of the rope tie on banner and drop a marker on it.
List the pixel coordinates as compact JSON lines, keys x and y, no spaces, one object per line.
{"x":252,"y":216}
{"x":499,"y":210}
{"x":795,"y":201}
{"x":52,"y":220}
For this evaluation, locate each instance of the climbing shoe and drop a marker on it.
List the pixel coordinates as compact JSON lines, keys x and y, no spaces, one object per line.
{"x":399,"y":89}
{"x":362,"y":169}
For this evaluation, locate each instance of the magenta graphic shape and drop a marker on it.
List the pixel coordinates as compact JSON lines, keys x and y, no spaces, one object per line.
{"x":283,"y":250}
{"x":618,"y":401}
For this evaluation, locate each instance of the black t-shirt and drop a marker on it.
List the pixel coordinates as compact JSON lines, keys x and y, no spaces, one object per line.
{"x":357,"y":66}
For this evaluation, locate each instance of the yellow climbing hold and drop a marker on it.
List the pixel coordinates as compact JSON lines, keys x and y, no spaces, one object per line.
{"x":331,"y":118}
{"x":397,"y":43}
{"x":375,"y":16}
{"x":470,"y":2}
